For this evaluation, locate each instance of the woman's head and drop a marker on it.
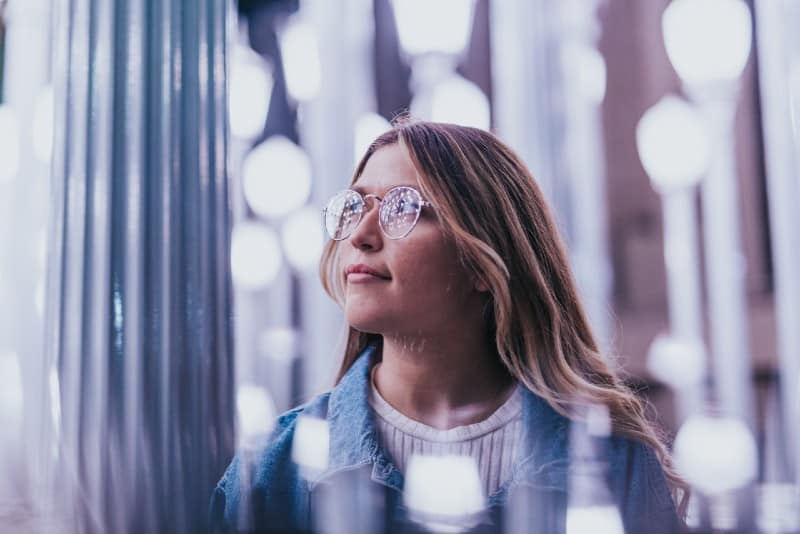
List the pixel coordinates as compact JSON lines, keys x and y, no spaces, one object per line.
{"x":494,"y":231}
{"x":423,"y":289}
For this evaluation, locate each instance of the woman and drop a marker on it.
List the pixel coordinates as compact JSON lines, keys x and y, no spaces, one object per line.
{"x":466,"y":336}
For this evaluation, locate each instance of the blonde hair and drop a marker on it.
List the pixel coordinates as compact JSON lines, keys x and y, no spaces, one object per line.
{"x":488,"y":203}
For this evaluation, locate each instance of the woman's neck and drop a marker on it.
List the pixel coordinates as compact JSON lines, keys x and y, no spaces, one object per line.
{"x":443,"y":382}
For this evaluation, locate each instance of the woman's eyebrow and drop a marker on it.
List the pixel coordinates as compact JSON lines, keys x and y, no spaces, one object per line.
{"x":361,"y":190}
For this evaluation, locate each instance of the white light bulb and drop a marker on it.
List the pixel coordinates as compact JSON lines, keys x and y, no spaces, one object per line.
{"x":249,"y":93}
{"x":276,"y":177}
{"x":9,"y":143}
{"x":301,"y":63}
{"x":368,"y":127}
{"x":255,"y":255}
{"x":455,"y":100}
{"x":673,"y":144}
{"x":589,"y":70}
{"x":441,"y":26}
{"x":310,"y":444}
{"x":715,"y":454}
{"x":707,"y":41}
{"x":677,"y":362}
{"x":594,"y":519}
{"x":443,"y":489}
{"x":256,"y":412}
{"x":279,"y":344}
{"x":303,"y":239}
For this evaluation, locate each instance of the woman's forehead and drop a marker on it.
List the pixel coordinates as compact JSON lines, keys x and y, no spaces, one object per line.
{"x":388,"y":167}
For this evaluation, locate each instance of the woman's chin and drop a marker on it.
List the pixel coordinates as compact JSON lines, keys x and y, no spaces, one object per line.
{"x":369,"y":323}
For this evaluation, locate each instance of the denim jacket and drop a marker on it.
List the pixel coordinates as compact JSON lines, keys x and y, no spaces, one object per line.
{"x":266,"y":491}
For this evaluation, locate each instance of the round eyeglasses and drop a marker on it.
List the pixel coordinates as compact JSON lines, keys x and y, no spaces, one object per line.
{"x":398,"y":212}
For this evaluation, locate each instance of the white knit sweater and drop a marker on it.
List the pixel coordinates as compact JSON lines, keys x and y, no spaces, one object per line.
{"x":493,"y":442}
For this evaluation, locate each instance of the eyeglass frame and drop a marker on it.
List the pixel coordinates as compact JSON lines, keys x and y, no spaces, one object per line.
{"x":422,"y":204}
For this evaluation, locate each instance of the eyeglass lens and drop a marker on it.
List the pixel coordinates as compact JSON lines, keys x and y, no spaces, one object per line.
{"x":399,"y":212}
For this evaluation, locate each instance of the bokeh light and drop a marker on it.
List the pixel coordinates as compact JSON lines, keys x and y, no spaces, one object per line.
{"x":255,"y":255}
{"x":593,"y":520}
{"x":249,"y":93}
{"x":301,"y":62}
{"x":456,"y":100}
{"x":303,"y":239}
{"x":707,"y":41}
{"x":422,"y":28}
{"x":677,"y":362}
{"x":310,"y":444}
{"x":368,"y":127}
{"x":276,"y":177}
{"x":256,"y":414}
{"x":715,"y":454}
{"x":673,"y":144}
{"x":443,"y":489}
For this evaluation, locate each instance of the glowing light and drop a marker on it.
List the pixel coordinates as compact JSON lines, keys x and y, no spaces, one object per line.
{"x":594,"y":519}
{"x":9,"y":143}
{"x":301,"y":62}
{"x":249,"y":93}
{"x":279,"y":344}
{"x":673,"y":144}
{"x":441,"y":26}
{"x":443,"y":491}
{"x":256,"y":411}
{"x":598,"y":420}
{"x":677,"y":362}
{"x":255,"y":255}
{"x":310,"y":444}
{"x":276,"y":177}
{"x":589,"y":69}
{"x":303,"y":239}
{"x":707,"y":41}
{"x":455,"y":100}
{"x":715,"y":454}
{"x":368,"y":127}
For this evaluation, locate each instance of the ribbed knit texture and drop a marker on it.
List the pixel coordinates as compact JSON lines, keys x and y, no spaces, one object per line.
{"x":493,"y":442}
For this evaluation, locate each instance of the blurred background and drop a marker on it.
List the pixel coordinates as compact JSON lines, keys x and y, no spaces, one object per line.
{"x":163,"y":165}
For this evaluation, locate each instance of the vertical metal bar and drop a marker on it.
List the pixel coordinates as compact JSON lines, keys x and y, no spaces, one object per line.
{"x":143,"y":221}
{"x":775,"y":55}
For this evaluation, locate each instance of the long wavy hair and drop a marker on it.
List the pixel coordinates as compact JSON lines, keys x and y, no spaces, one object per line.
{"x":488,"y":203}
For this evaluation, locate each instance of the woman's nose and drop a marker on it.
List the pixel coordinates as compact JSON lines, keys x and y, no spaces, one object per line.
{"x":367,"y":233}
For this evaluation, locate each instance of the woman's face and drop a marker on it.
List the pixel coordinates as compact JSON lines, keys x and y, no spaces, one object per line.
{"x":427,"y":288}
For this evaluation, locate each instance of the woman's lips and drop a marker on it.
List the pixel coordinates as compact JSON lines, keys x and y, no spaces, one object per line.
{"x":360,"y":278}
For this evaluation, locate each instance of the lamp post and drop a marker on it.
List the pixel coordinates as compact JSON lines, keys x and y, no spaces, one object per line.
{"x":674,"y":149}
{"x":708,"y":43}
{"x":778,"y":60}
{"x":433,"y":50}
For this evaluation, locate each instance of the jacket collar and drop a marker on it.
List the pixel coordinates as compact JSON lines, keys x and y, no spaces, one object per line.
{"x":354,"y":441}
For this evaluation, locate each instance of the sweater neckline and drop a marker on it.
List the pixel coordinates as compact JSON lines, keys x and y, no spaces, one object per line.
{"x":508,"y":411}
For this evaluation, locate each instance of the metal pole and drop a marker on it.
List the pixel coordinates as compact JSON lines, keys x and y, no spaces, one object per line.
{"x":139,"y":284}
{"x":775,"y":56}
